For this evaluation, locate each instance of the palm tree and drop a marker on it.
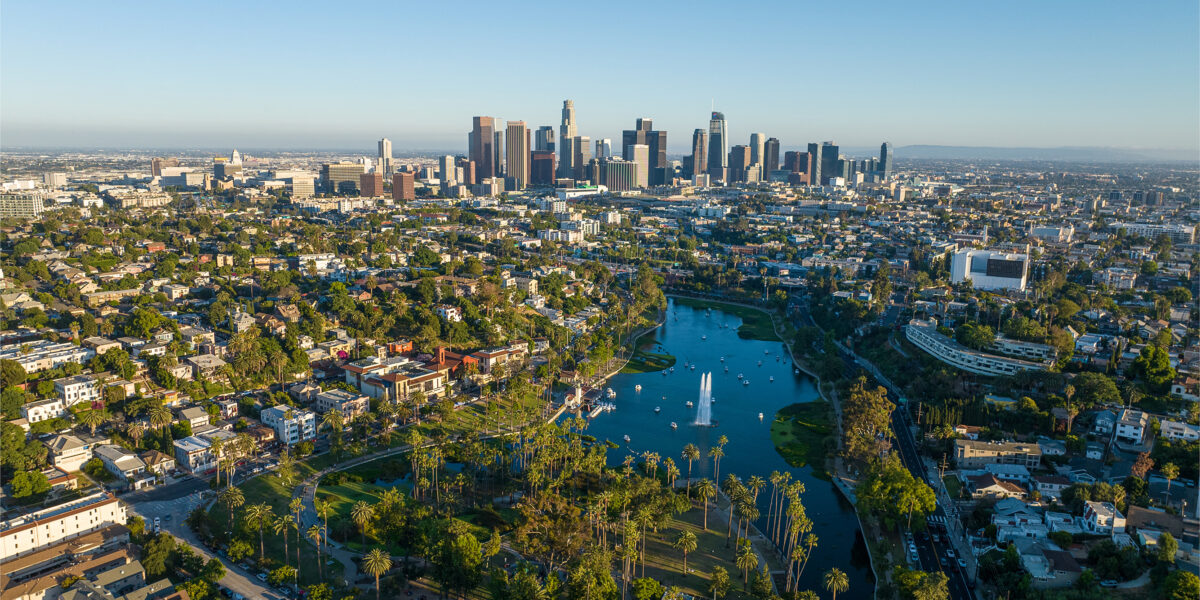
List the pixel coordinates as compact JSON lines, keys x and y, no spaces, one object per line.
{"x":361,"y":514}
{"x":323,"y":509}
{"x":260,"y":515}
{"x":1170,"y":471}
{"x":836,"y":581}
{"x":217,"y":447}
{"x":282,"y":525}
{"x":233,"y":499}
{"x":314,"y":534}
{"x":705,"y":490}
{"x":294,"y":507}
{"x":686,"y":542}
{"x":747,"y":561}
{"x":755,"y":483}
{"x":91,"y":419}
{"x":376,"y":563}
{"x":690,"y":453}
{"x":160,"y":417}
{"x":135,"y":433}
{"x":716,"y":452}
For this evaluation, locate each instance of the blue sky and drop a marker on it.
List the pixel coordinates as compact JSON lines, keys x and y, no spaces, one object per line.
{"x":341,"y":75}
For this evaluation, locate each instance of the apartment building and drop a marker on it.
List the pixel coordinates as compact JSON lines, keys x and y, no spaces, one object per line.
{"x":44,"y":355}
{"x":195,"y":455}
{"x":30,"y":532}
{"x":78,"y":389}
{"x":970,"y":454}
{"x":924,"y":335}
{"x":43,"y":410}
{"x":349,"y":404}
{"x":1102,"y":518}
{"x":291,"y":425}
{"x":1131,"y":426}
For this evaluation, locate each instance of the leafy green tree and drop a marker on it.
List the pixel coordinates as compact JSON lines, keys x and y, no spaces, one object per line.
{"x":1095,"y":388}
{"x":1167,"y":547}
{"x":29,"y":483}
{"x":12,"y":373}
{"x":647,"y":588}
{"x":1153,"y":366}
{"x":890,"y":491}
{"x":976,"y":336}
{"x":719,"y":583}
{"x":456,"y":565}
{"x":281,"y":575}
{"x":1180,"y":585}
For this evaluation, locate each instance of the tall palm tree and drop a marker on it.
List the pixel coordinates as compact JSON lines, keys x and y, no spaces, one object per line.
{"x":755,"y":483}
{"x":233,"y":499}
{"x":836,"y":581}
{"x":361,"y":514}
{"x":686,"y":542}
{"x":91,"y":419}
{"x":281,"y":526}
{"x":376,"y":563}
{"x":323,"y":509}
{"x":160,"y":417}
{"x":294,"y":507}
{"x":217,"y":447}
{"x":690,"y":453}
{"x":705,"y":490}
{"x":314,"y":534}
{"x":716,"y":452}
{"x":260,"y":515}
{"x":135,"y":433}
{"x":747,"y":561}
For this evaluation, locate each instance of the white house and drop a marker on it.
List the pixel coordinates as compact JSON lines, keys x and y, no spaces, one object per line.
{"x":1103,"y":518}
{"x":124,"y":464}
{"x":78,"y":389}
{"x":195,"y":455}
{"x":68,"y":452}
{"x":1176,"y":431}
{"x":43,"y":410}
{"x":1131,"y":426}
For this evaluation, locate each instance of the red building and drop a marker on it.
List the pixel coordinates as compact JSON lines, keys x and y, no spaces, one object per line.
{"x":541,"y":167}
{"x":404,"y":186}
{"x":371,"y":184}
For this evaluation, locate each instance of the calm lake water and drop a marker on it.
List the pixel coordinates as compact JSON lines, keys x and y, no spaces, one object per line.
{"x":697,"y":336}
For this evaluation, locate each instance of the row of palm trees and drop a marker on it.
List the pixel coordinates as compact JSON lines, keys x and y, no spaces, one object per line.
{"x":261,"y":517}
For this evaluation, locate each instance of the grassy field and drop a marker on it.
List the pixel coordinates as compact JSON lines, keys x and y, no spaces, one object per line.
{"x":803,"y":433}
{"x":953,"y":485}
{"x":756,"y":324}
{"x":643,"y":361}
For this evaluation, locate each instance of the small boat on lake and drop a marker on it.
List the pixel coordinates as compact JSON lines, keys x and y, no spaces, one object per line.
{"x":772,"y":378}
{"x":611,"y":393}
{"x":674,"y":426}
{"x":760,"y":416}
{"x":657,"y":409}
{"x":627,"y":439}
{"x":689,"y":404}
{"x":637,"y":388}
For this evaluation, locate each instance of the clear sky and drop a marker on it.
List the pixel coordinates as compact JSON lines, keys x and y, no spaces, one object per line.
{"x":341,"y":75}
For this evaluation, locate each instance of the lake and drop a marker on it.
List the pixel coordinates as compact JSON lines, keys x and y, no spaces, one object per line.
{"x":697,"y":336}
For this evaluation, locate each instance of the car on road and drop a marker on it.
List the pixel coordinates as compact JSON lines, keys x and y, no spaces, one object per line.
{"x":261,"y":576}
{"x":962,"y":564}
{"x":950,"y":553}
{"x":945,"y":563}
{"x":1109,"y":583}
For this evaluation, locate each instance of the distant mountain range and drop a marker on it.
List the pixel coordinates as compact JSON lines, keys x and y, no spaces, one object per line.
{"x":1065,"y":153}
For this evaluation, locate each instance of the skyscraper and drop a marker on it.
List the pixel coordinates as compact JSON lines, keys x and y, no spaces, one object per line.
{"x":567,"y":131}
{"x":718,"y":140}
{"x":618,"y":175}
{"x":699,"y":153}
{"x":770,"y":157}
{"x":885,"y":160}
{"x":342,"y":177}
{"x":481,"y":150}
{"x":498,"y":154}
{"x":541,"y":167}
{"x":582,"y":156}
{"x":385,"y":156}
{"x":815,"y":160}
{"x":739,"y":163}
{"x":830,"y":167}
{"x":639,"y":154}
{"x":544,"y":139}
{"x":517,"y":154}
{"x":603,"y":149}
{"x":757,"y":141}
{"x":448,"y":170}
{"x":371,"y":184}
{"x":656,"y":143}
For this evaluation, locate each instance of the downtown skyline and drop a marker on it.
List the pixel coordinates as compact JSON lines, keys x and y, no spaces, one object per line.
{"x":939,"y":75}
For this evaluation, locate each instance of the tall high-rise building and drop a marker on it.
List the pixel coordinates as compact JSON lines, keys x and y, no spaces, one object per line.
{"x":639,"y":154}
{"x":481,"y":151}
{"x":718,"y":140}
{"x":830,"y":167}
{"x":630,"y":137}
{"x":583,"y":156}
{"x":567,"y":130}
{"x":467,"y":168}
{"x":448,"y":170}
{"x":770,"y":157}
{"x":385,"y":156}
{"x":618,"y":175}
{"x":543,"y":140}
{"x":799,"y":166}
{"x":371,"y":184}
{"x":739,"y":163}
{"x":404,"y":186}
{"x":656,"y":143}
{"x":498,"y":153}
{"x":757,"y":141}
{"x":541,"y":167}
{"x":699,"y":153}
{"x":815,"y":160}
{"x":517,"y":154}
{"x":603,"y":149}
{"x":885,"y":160}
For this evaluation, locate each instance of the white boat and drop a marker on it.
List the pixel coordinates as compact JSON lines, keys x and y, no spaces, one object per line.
{"x":692,"y":367}
{"x":739,"y":375}
{"x":722,"y":359}
{"x":672,"y":369}
{"x":611,"y":393}
{"x":726,"y":369}
{"x":637,"y":388}
{"x":772,"y":378}
{"x":626,"y":439}
{"x":766,"y":351}
{"x":760,"y":416}
{"x":673,"y":425}
{"x":796,"y":371}
{"x":760,"y":363}
{"x":689,"y":404}
{"x":657,"y":409}
{"x":703,"y":337}
{"x":745,"y":382}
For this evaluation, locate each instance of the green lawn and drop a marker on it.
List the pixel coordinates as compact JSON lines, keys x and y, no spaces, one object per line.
{"x":756,"y":323}
{"x":802,"y":434}
{"x":953,"y":485}
{"x":643,"y":361}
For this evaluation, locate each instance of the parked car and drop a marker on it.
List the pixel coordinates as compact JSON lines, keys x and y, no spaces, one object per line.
{"x":261,"y":576}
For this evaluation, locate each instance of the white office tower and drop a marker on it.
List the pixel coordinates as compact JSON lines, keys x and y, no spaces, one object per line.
{"x":235,"y":158}
{"x":385,"y":156}
{"x":639,"y":154}
{"x":988,"y":270}
{"x":447,"y":170}
{"x":757,"y":143}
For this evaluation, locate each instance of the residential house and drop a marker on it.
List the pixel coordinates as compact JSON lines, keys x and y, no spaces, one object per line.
{"x":1131,"y":426}
{"x":1102,"y":518}
{"x":1050,"y":486}
{"x":195,"y":455}
{"x":969,"y":454}
{"x":123,"y":464}
{"x":205,"y":365}
{"x":195,"y":416}
{"x":157,"y":462}
{"x":291,"y":425}
{"x":1105,"y":422}
{"x":1179,"y":431}
{"x":988,"y":486}
{"x":43,"y":410}
{"x":68,"y":452}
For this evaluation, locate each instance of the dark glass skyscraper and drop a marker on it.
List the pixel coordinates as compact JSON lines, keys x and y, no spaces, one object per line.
{"x":718,"y":141}
{"x":815,"y":158}
{"x":770,"y":157}
{"x":483,"y":135}
{"x":699,"y":153}
{"x":885,"y":160}
{"x":830,"y":154}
